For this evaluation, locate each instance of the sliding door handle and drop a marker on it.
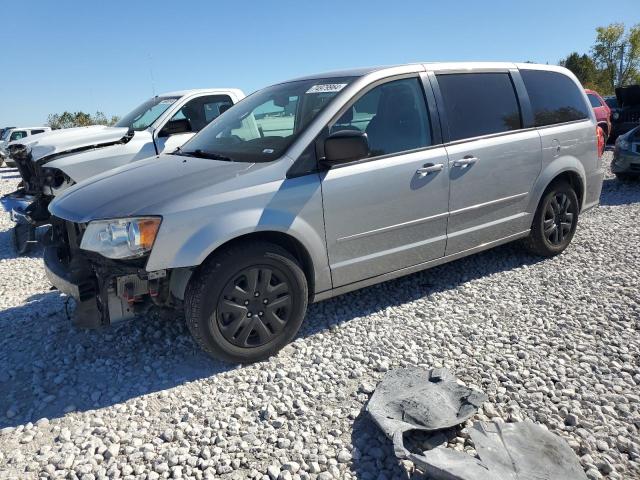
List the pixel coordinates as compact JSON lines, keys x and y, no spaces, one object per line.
{"x":464,"y":162}
{"x":429,"y":168}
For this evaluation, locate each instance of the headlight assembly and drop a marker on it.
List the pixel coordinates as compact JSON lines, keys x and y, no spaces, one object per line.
{"x":121,"y":238}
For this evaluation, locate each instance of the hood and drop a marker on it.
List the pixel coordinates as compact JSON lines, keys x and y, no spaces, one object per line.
{"x":158,"y":185}
{"x":628,"y":96}
{"x":61,"y":141}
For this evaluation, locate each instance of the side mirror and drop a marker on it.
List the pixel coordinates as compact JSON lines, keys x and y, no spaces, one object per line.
{"x":345,"y":146}
{"x":174,"y":127}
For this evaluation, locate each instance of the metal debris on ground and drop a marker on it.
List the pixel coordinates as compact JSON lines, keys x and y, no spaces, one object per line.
{"x":414,"y":406}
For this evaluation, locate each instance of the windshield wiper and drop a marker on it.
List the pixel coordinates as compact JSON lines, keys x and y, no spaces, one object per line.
{"x":204,"y":154}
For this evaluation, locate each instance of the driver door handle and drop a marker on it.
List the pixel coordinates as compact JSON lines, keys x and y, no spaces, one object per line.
{"x":429,"y":168}
{"x":464,"y":162}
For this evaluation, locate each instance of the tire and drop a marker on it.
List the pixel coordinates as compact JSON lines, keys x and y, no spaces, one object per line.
{"x":550,"y":235}
{"x":246,"y":302}
{"x":23,"y":236}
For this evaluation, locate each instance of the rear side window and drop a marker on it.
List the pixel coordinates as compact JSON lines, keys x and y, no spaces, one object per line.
{"x":595,"y":101}
{"x":17,"y":135}
{"x":554,"y":97}
{"x":35,"y":132}
{"x":479,"y":104}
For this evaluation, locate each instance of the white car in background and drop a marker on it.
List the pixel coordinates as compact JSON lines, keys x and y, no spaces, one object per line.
{"x":49,"y":163}
{"x":14,"y":134}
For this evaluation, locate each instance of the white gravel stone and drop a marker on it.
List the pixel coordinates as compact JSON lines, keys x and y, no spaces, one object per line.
{"x":555,"y":341}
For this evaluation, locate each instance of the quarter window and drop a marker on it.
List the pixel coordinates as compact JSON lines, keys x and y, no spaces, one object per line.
{"x":554,"y":97}
{"x":479,"y":104}
{"x":35,"y":132}
{"x":393,"y":115}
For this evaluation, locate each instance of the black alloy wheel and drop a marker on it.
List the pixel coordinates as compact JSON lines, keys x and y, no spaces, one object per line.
{"x":254,"y":307}
{"x":555,"y":221}
{"x":559,"y":217}
{"x":246,"y":302}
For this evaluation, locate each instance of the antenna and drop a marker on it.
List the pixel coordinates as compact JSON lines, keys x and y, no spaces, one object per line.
{"x":153,"y":83}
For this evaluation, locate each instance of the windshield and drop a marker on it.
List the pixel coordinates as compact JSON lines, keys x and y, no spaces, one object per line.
{"x":147,"y":113}
{"x":261,"y":127}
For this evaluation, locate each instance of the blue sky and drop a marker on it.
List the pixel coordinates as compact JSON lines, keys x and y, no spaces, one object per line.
{"x":84,"y":55}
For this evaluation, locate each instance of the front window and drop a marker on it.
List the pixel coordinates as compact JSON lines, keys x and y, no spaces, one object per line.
{"x":147,"y":113}
{"x":265,"y":124}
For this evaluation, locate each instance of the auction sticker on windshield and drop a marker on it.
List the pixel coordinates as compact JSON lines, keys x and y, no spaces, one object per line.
{"x":327,"y":88}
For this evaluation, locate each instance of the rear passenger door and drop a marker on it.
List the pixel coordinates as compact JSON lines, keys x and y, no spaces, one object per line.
{"x":494,"y":159}
{"x":388,"y":211}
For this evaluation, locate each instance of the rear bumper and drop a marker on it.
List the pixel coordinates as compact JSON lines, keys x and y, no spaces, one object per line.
{"x":594,"y":189}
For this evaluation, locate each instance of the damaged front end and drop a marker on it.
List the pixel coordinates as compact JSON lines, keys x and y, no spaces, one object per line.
{"x":106,"y":291}
{"x":28,"y":205}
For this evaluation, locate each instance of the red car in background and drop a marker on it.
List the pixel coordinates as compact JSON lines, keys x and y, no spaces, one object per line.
{"x":602,"y":111}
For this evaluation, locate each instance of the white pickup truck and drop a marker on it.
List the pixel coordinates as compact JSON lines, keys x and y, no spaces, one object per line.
{"x":51,"y":162}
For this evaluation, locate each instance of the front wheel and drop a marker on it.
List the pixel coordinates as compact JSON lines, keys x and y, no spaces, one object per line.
{"x":246,"y":302}
{"x":554,"y":222}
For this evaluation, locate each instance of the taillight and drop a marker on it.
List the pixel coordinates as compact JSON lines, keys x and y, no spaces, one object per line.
{"x":600,"y":136}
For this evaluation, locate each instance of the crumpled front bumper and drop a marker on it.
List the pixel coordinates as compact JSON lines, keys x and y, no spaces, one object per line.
{"x":16,"y":205}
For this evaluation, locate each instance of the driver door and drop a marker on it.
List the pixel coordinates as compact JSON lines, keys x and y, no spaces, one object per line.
{"x":388,"y":211}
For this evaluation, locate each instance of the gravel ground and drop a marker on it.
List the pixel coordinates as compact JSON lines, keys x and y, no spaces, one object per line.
{"x":555,"y":341}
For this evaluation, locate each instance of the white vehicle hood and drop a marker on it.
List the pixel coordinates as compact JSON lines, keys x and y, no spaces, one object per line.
{"x":68,"y":139}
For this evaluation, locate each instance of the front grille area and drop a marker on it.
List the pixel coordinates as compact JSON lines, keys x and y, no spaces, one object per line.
{"x":629,"y":116}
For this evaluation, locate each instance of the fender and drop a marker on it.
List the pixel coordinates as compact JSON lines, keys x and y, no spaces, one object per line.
{"x":294,"y":209}
{"x":553,"y":169}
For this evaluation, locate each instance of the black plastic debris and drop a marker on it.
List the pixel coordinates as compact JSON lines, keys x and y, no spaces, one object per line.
{"x":428,"y":402}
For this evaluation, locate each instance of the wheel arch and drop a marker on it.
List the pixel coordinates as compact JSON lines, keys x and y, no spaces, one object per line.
{"x":567,"y":169}
{"x":290,"y":243}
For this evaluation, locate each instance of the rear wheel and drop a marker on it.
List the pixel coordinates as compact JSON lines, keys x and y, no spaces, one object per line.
{"x":554,"y":222}
{"x":246,"y":302}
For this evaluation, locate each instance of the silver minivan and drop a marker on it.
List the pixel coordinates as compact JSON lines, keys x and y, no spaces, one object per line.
{"x":318,"y":186}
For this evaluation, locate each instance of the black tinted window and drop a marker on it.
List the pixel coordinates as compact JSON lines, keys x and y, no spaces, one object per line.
{"x":393,"y":115}
{"x":35,"y":132}
{"x":595,"y":101}
{"x":479,"y":104}
{"x":555,"y":98}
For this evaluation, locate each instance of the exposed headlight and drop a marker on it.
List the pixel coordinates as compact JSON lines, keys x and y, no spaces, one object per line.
{"x":622,"y":144}
{"x":122,"y":237}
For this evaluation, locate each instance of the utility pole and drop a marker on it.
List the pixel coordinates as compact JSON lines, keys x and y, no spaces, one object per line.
{"x":620,"y":69}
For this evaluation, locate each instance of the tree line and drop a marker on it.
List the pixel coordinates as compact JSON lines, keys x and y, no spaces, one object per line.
{"x":613,"y":61}
{"x":79,"y":119}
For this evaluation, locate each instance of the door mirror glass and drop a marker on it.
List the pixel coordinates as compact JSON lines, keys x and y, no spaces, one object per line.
{"x":345,"y":146}
{"x":174,"y":127}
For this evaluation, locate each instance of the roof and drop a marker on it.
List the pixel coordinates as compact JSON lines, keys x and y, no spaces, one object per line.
{"x":194,"y":91}
{"x":362,"y":71}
